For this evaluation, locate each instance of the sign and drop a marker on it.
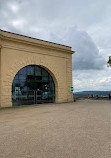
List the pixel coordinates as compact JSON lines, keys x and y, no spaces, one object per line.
{"x":71,"y":89}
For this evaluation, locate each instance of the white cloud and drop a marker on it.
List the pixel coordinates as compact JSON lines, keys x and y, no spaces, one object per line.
{"x":87,"y":55}
{"x":18,"y":23}
{"x":84,"y":25}
{"x":14,"y":8}
{"x":92,"y":80}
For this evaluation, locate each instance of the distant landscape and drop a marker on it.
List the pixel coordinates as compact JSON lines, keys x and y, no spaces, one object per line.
{"x":85,"y":93}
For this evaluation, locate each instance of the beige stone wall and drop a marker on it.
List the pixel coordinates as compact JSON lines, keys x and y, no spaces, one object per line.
{"x":0,"y":76}
{"x":17,"y":54}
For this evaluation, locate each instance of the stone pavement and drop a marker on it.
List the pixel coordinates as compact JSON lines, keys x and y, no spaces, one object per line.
{"x":72,"y":130}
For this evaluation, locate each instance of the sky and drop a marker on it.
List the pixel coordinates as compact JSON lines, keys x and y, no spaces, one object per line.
{"x":85,"y":25}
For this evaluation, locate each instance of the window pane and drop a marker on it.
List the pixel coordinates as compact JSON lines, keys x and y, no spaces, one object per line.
{"x":23,"y":71}
{"x":44,"y":73}
{"x":29,"y":80}
{"x":16,"y":77}
{"x":45,"y":78}
{"x":30,"y":70}
{"x":37,"y":71}
{"x":22,"y":77}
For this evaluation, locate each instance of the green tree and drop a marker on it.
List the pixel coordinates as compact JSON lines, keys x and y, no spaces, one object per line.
{"x":109,"y":61}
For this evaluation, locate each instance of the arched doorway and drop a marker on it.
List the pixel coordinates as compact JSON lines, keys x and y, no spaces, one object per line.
{"x":32,"y":85}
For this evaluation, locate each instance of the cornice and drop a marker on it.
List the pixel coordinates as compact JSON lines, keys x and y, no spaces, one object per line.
{"x":33,"y":41}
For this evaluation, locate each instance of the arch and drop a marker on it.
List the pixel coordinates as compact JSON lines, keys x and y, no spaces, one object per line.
{"x":33,"y":84}
{"x":18,"y":64}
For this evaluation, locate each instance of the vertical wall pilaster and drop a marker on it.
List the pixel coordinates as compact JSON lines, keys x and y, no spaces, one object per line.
{"x":69,"y":79}
{"x":0,"y":75}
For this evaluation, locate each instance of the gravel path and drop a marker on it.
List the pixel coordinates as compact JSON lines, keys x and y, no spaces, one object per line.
{"x":73,"y":130}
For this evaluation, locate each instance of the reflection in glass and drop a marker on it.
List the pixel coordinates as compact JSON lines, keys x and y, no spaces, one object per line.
{"x":32,"y":85}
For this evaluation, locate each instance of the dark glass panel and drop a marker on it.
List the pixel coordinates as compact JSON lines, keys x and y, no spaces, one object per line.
{"x":44,"y":72}
{"x":22,"y":77}
{"x":23,"y":71}
{"x":45,"y":78}
{"x":30,"y":70}
{"x":51,"y":85}
{"x":38,"y":71}
{"x":32,"y":85}
{"x":16,"y":77}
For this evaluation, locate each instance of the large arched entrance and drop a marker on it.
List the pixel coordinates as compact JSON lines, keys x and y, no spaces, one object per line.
{"x":32,"y":85}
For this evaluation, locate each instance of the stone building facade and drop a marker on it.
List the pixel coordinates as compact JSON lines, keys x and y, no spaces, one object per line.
{"x":18,"y":51}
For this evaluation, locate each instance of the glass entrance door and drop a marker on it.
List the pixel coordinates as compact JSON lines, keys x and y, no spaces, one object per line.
{"x":34,"y":97}
{"x":32,"y":85}
{"x":38,"y":97}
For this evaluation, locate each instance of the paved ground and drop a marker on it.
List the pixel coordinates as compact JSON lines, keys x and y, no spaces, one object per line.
{"x":76,"y":130}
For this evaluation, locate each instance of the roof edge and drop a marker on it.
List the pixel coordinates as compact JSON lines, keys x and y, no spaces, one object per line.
{"x":35,"y":40}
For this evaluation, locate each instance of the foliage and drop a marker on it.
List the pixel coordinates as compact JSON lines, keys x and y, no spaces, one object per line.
{"x":109,"y":61}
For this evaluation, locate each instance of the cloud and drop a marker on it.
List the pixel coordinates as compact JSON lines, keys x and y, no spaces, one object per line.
{"x":54,"y":21}
{"x":35,"y":19}
{"x":92,"y":80}
{"x":87,"y":55}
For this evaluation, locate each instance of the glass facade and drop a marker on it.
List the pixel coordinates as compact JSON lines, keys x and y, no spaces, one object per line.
{"x":32,"y":85}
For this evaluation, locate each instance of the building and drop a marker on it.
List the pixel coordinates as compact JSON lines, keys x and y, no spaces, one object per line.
{"x":33,"y":71}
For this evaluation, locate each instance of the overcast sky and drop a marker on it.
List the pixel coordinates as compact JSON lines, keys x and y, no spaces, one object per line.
{"x":85,"y":25}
